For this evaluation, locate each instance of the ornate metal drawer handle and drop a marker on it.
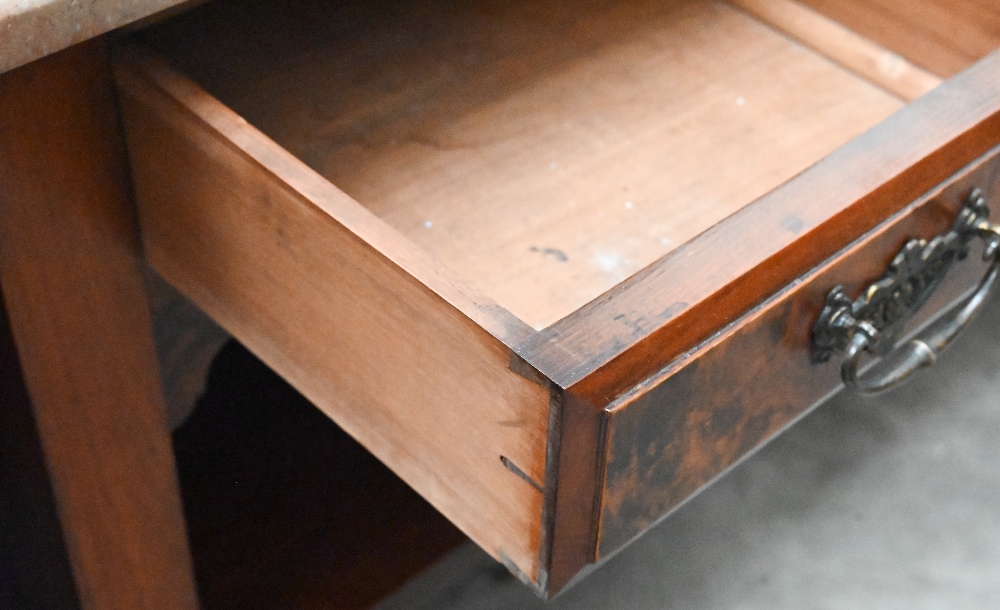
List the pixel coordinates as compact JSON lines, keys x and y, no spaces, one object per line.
{"x":869,"y":323}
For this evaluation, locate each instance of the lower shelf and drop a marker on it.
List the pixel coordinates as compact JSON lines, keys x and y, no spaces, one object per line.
{"x":284,"y":509}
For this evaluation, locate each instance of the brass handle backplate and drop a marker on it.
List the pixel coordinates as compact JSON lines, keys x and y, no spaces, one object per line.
{"x":869,"y":323}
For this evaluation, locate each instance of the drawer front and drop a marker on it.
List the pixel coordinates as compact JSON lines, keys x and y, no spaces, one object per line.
{"x":674,"y":433}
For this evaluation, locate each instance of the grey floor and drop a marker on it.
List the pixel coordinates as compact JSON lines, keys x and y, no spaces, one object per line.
{"x":892,"y":502}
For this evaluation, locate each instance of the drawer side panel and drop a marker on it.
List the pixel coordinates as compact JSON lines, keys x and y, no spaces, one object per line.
{"x":676,"y":432}
{"x":425,"y":388}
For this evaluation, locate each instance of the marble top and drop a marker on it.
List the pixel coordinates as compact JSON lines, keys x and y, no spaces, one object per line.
{"x":30,"y":29}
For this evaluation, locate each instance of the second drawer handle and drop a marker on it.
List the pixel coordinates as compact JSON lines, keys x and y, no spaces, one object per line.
{"x":870,"y":322}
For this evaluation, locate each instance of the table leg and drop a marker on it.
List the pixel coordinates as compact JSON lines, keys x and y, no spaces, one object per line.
{"x":70,"y":270}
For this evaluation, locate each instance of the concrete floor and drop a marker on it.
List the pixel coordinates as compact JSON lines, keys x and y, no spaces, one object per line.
{"x":892,"y":502}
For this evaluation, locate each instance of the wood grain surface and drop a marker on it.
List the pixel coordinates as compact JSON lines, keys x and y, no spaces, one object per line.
{"x":638,"y":327}
{"x":684,"y":427}
{"x":844,"y":46}
{"x":338,"y":304}
{"x":509,"y":145}
{"x":544,"y":152}
{"x":69,"y":263}
{"x":33,"y":562}
{"x":576,"y":474}
{"x":943,"y":36}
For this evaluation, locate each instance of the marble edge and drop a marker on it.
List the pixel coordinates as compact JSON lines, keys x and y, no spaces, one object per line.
{"x":31,"y":29}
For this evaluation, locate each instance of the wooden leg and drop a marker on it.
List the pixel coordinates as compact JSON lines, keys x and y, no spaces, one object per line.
{"x":69,"y":266}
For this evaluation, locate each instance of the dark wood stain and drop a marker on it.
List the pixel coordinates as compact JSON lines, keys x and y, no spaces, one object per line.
{"x":511,"y":466}
{"x":700,"y":416}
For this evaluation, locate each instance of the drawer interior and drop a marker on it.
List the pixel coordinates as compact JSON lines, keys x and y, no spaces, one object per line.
{"x":543,"y":151}
{"x":630,"y":177}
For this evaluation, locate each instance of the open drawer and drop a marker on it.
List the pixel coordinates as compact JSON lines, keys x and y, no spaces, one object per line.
{"x":557,"y":264}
